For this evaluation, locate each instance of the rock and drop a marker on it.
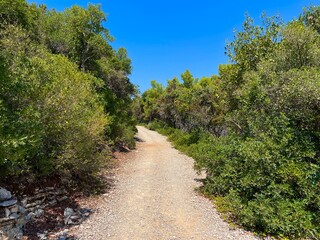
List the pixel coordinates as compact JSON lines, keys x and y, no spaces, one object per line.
{"x":6,"y":221}
{"x":48,"y":189}
{"x":68,"y":212}
{"x":29,"y":217}
{"x":68,"y":221}
{"x":8,"y":203}
{"x":75,"y":217}
{"x":62,"y":198}
{"x":15,"y":233}
{"x":14,"y":216}
{"x":42,"y":236}
{"x":38,"y":196}
{"x":84,"y":210}
{"x":5,"y":194}
{"x":21,"y":209}
{"x":86,"y":214}
{"x":38,"y":213}
{"x":14,"y":209}
{"x":34,"y":203}
{"x":7,"y":212}
{"x":20,"y":221}
{"x":24,"y":202}
{"x":53,"y":202}
{"x":62,"y":235}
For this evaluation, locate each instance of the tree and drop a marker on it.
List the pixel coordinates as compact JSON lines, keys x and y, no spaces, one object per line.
{"x":53,"y":119}
{"x":299,"y":47}
{"x":65,"y":93}
{"x":152,"y":100}
{"x":79,"y":34}
{"x":255,"y":42}
{"x":311,"y":17}
{"x":187,"y":79}
{"x":17,"y":12}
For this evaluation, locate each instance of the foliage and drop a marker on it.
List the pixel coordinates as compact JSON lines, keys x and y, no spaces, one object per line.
{"x":310,"y":17}
{"x":52,"y":108}
{"x":65,"y":94}
{"x":255,"y":128}
{"x":17,"y":12}
{"x":79,"y":34}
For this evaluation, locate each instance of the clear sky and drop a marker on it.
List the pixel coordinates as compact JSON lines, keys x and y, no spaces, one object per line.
{"x":164,"y":38}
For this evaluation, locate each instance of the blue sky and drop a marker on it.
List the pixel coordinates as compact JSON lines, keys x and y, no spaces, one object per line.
{"x":164,"y":38}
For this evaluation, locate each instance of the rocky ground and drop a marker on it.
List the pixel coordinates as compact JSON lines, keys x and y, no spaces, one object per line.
{"x":154,"y":198}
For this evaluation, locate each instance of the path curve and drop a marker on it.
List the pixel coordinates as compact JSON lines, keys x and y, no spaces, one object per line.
{"x":154,"y":198}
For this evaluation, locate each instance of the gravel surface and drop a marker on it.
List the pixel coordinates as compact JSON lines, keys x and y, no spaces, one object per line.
{"x":154,"y":198}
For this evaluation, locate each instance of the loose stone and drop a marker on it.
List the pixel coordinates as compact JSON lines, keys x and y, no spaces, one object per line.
{"x":5,"y":194}
{"x":8,"y":203}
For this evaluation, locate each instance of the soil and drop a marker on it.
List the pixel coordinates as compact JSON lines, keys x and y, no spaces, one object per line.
{"x":154,"y":197}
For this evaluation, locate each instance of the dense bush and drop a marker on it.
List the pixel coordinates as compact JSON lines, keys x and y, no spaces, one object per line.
{"x":64,"y":92}
{"x":255,"y":128}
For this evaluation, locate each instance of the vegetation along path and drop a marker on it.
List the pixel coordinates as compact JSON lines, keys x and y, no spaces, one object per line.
{"x":155,"y":199}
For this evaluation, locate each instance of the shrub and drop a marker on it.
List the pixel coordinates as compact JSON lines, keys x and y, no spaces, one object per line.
{"x":53,"y":119}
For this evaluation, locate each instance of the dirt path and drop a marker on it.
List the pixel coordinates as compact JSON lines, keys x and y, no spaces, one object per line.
{"x":154,"y":198}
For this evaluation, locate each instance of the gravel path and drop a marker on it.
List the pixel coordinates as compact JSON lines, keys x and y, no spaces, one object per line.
{"x":154,"y":198}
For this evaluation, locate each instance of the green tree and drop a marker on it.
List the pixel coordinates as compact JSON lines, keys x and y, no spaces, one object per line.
{"x":65,"y":94}
{"x":151,"y":101}
{"x":254,"y":43}
{"x":311,"y":17}
{"x":187,"y":79}
{"x":53,"y":119}
{"x":17,"y":12}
